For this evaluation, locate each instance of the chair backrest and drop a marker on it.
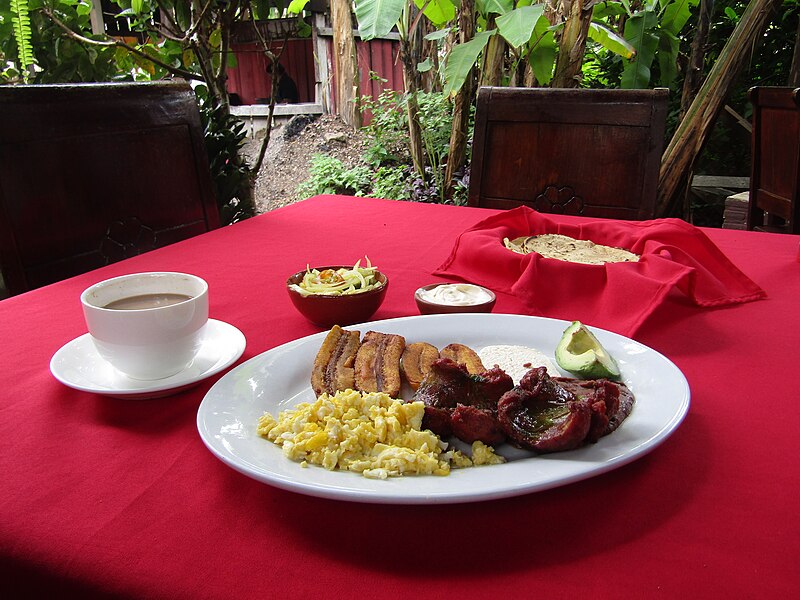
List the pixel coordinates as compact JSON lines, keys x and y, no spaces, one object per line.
{"x":94,"y":173}
{"x":775,"y":167}
{"x":574,"y":151}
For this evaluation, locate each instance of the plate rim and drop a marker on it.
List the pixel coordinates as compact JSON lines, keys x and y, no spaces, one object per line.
{"x":341,"y":492}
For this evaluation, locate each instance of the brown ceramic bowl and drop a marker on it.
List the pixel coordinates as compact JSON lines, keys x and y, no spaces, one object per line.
{"x":429,"y":308}
{"x":327,"y":311}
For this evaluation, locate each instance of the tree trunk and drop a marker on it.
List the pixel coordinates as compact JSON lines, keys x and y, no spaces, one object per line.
{"x":694,"y":70}
{"x":693,"y":130}
{"x":430,"y":80}
{"x":492,"y":71}
{"x":463,"y":100}
{"x":410,"y":55}
{"x":415,"y":146}
{"x":572,"y":44}
{"x":528,"y":76}
{"x":345,"y":63}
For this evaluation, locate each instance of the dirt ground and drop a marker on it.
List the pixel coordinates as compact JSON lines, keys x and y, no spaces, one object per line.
{"x":288,"y":159}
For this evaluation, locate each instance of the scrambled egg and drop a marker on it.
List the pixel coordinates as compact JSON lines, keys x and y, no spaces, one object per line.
{"x":366,"y":432}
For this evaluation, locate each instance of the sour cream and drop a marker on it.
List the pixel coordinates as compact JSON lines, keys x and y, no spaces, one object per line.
{"x":517,"y":360}
{"x":456,"y":294}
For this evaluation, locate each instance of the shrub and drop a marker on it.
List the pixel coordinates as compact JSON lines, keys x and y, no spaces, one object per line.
{"x":330,"y":176}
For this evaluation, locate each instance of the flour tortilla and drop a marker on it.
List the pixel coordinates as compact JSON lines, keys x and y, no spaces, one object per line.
{"x":562,"y":247}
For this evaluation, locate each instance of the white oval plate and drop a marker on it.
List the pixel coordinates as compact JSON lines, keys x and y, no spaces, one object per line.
{"x":280,"y":378}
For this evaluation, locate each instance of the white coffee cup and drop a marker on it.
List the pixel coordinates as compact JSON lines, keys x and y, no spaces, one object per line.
{"x":147,"y":325}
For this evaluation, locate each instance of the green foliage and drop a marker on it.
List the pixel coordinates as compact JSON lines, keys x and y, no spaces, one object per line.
{"x":639,"y":31}
{"x":391,"y":182}
{"x":461,"y":59}
{"x":388,"y":128}
{"x":385,"y":170}
{"x":56,"y":57}
{"x":727,"y":150}
{"x":21,"y":24}
{"x":224,"y":134}
{"x":436,"y":123}
{"x":438,"y":11}
{"x":517,"y":26}
{"x":608,"y":39}
{"x":377,"y":17}
{"x":654,"y":31}
{"x":328,"y":175}
{"x":388,"y":132}
{"x":542,"y":51}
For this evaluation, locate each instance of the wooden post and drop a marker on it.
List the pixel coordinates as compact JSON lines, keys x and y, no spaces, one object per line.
{"x":345,"y":63}
{"x":322,"y":91}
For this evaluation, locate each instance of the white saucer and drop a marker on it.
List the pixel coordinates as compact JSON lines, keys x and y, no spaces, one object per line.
{"x":78,"y":365}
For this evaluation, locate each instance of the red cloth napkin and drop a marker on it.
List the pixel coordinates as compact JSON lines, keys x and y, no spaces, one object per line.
{"x":614,"y":296}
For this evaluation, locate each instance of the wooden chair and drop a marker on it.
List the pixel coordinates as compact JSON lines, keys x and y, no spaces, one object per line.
{"x":94,"y":173}
{"x":574,"y":151}
{"x":775,"y":174}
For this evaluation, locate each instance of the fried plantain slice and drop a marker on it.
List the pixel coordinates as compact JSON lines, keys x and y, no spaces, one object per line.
{"x":333,"y":365}
{"x":377,"y":366}
{"x":416,"y":362}
{"x":463,"y":355}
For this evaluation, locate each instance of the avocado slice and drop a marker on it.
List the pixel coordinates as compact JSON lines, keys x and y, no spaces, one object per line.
{"x":582,"y":354}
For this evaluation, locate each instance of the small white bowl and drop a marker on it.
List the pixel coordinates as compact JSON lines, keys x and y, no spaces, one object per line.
{"x":427,"y":307}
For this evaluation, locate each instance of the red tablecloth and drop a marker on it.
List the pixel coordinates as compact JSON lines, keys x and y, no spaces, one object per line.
{"x":109,"y":497}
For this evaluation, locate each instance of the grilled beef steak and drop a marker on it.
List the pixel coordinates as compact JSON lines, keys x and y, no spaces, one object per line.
{"x":459,"y":403}
{"x":550,"y":415}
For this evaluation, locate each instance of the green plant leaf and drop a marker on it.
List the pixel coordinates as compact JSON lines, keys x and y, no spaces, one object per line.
{"x":609,"y":40}
{"x":297,"y":6}
{"x":676,"y":14}
{"x":517,"y":26}
{"x":439,"y":34}
{"x":498,"y":7}
{"x":610,"y":9}
{"x":438,"y":11}
{"x":461,"y":59}
{"x":377,"y":17}
{"x":183,"y":14}
{"x":542,"y":57}
{"x":668,"y":49}
{"x":21,"y":23}
{"x":215,"y":39}
{"x":639,"y":32}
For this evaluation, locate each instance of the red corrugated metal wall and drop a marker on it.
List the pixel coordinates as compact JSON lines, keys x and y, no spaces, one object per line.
{"x":380,"y":57}
{"x":250,"y":80}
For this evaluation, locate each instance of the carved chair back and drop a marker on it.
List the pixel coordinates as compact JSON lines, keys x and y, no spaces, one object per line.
{"x":573,"y":151}
{"x":775,"y":167}
{"x":91,"y":174}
